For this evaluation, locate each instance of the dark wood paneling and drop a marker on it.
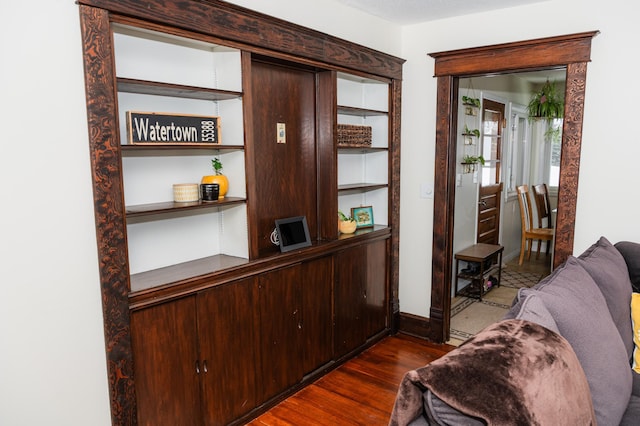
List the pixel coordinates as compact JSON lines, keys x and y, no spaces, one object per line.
{"x":571,"y":51}
{"x":375,"y":294}
{"x":222,"y":19}
{"x":316,"y":282}
{"x":349,"y":294}
{"x":414,"y":325}
{"x":279,"y":331}
{"x":225,"y":333}
{"x":326,"y":116}
{"x":285,"y":173}
{"x":360,"y":298}
{"x":166,"y":364}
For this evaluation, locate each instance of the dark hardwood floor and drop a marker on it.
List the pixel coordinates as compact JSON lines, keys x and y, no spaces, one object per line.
{"x":361,"y":391}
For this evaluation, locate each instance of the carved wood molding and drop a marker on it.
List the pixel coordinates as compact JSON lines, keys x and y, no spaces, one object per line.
{"x":571,"y":51}
{"x":232,"y":22}
{"x":109,"y":210}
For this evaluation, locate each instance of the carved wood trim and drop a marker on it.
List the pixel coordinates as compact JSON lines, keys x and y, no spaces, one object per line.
{"x":571,"y":51}
{"x":394,"y":199}
{"x":570,"y":161}
{"x":231,"y":22}
{"x":108,"y":197}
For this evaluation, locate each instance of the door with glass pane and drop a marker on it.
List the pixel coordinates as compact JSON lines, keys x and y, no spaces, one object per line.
{"x":490,"y":186}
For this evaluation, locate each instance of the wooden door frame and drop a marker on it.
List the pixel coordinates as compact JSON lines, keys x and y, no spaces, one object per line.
{"x":571,"y":51}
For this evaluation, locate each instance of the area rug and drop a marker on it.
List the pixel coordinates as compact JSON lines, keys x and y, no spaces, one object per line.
{"x":469,"y":316}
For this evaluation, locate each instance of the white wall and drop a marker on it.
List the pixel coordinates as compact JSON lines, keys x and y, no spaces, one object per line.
{"x":52,"y":363}
{"x":606,"y":202}
{"x":52,"y":355}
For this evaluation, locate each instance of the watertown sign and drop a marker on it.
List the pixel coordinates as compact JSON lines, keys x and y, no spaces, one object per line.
{"x":151,"y":128}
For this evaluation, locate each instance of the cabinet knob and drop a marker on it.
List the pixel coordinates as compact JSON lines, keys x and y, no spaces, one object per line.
{"x":197,"y":367}
{"x":204,"y":366}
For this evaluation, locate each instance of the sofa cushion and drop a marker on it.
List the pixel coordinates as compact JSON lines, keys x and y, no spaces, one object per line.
{"x":635,"y":321}
{"x":632,"y":414}
{"x":631,"y":253}
{"x":530,"y":307}
{"x":608,"y":269}
{"x":509,"y":373}
{"x":582,"y":316}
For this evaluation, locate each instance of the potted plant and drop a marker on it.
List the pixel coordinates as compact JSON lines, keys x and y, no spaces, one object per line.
{"x":346,"y":224}
{"x":467,"y":100}
{"x":218,"y":177}
{"x":546,"y":103}
{"x":469,"y":162}
{"x":469,"y":135}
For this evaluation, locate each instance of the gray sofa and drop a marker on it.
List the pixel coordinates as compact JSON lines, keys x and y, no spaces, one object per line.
{"x":561,"y":355}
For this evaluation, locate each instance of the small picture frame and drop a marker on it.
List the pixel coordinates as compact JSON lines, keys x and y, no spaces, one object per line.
{"x":363,"y":216}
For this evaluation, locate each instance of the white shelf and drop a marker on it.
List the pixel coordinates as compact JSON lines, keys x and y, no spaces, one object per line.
{"x":168,"y":74}
{"x":363,"y":173}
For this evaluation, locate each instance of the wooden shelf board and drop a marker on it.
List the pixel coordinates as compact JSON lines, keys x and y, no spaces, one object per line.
{"x":171,"y":206}
{"x":182,"y":271}
{"x":171,"y":149}
{"x":174,"y":90}
{"x":361,"y":186}
{"x":360,"y":112}
{"x":359,"y":149}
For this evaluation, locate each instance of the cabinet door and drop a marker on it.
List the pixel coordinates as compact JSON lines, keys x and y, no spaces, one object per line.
{"x":317,"y":323}
{"x":360,"y":295}
{"x":165,"y":352}
{"x":375,"y":303}
{"x":225,"y":330}
{"x":279,"y":326}
{"x":349,"y":294}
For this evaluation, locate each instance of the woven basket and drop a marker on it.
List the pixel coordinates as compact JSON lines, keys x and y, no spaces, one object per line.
{"x":351,"y":135}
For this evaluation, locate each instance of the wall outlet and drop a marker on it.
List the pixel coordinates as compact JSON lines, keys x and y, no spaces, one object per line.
{"x":426,"y":190}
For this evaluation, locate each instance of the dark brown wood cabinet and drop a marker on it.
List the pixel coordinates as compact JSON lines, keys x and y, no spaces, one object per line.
{"x":166,"y":363}
{"x":206,"y":321}
{"x":194,"y":359}
{"x":228,"y":357}
{"x":360,"y":295}
{"x":294,"y":324}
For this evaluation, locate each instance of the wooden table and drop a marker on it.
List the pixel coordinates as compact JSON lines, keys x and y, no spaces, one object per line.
{"x":479,"y":254}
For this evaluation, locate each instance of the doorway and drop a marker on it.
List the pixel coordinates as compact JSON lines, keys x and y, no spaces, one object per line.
{"x":570,"y":51}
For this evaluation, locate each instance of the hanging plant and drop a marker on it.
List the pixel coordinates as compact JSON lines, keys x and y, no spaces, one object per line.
{"x":472,"y":159}
{"x":546,"y":103}
{"x":469,"y":132}
{"x":467,"y":100}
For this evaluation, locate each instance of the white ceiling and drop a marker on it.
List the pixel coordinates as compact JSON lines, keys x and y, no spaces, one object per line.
{"x":406,"y":12}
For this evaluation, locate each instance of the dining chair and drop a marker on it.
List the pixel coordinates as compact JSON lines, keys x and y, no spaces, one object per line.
{"x":529,"y":233}
{"x":541,"y":196}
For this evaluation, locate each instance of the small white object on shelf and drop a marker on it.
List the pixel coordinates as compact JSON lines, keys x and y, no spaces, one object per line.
{"x":185,"y":192}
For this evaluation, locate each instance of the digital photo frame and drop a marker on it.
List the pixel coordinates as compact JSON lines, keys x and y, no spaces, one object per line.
{"x":293,"y":233}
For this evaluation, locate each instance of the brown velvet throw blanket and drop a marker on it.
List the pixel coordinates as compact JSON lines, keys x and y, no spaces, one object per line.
{"x":514,"y":372}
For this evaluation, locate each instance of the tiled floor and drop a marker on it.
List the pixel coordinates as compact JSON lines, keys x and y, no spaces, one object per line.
{"x":469,"y":315}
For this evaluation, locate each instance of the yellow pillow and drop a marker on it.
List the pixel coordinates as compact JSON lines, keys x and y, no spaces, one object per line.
{"x":635,"y":322}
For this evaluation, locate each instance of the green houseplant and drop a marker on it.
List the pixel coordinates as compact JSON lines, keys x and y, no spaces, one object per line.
{"x":218,"y":177}
{"x":472,"y":159}
{"x":470,"y":163}
{"x":346,"y":224}
{"x":469,"y":132}
{"x":467,"y":100}
{"x":546,"y":103}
